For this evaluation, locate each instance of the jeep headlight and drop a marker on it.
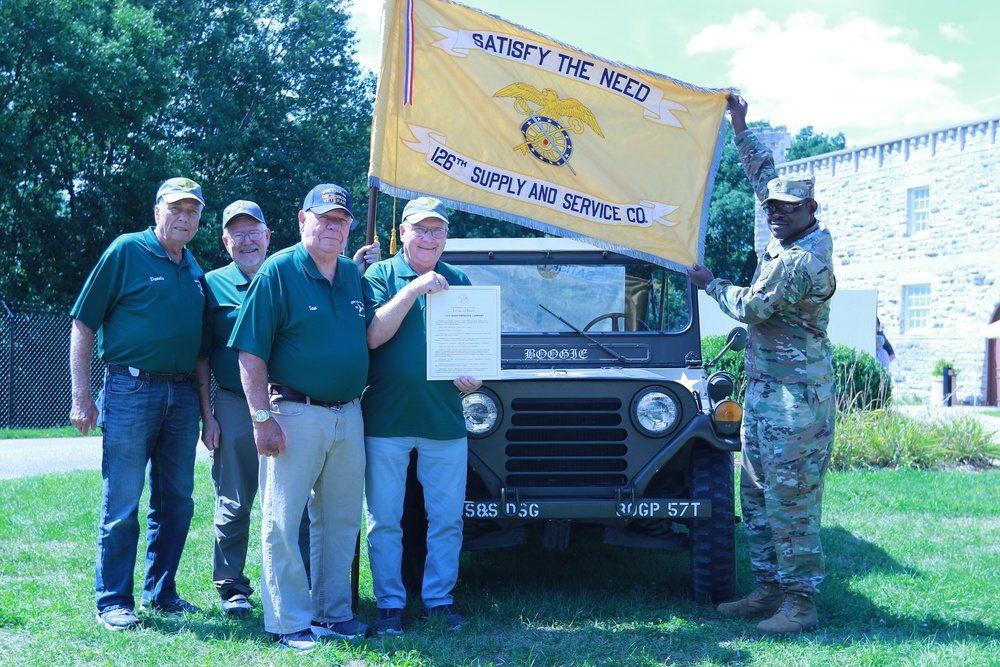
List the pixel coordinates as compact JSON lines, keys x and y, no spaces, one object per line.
{"x":481,"y":413}
{"x":655,"y":411}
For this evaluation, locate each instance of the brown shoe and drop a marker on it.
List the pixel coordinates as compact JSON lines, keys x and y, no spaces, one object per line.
{"x":797,"y":613}
{"x":762,"y":601}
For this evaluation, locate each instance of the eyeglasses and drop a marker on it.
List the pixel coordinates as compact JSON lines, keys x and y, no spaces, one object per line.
{"x":435,"y":232}
{"x":239,"y":237}
{"x":782,"y":206}
{"x":341,"y":219}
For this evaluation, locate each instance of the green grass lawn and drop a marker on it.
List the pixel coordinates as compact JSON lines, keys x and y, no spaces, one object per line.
{"x":913,"y":579}
{"x":56,"y":432}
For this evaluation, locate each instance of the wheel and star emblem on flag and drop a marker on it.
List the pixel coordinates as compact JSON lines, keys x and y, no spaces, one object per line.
{"x":545,"y":136}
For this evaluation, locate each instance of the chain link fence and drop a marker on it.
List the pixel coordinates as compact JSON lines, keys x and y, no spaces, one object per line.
{"x":34,"y":366}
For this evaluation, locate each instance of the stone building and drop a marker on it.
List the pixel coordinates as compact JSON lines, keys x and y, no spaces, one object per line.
{"x":918,"y":220}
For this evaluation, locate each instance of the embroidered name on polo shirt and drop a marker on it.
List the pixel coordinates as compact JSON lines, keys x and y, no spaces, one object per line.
{"x":313,"y":308}
{"x":153,"y":279}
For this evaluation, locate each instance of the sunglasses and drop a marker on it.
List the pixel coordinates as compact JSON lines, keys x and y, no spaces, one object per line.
{"x":782,"y":206}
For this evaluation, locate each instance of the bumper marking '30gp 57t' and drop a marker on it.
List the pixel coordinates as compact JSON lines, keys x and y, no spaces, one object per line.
{"x":653,"y":508}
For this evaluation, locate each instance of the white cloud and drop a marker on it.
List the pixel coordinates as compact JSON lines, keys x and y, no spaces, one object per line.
{"x":366,"y":19}
{"x":857,"y":77}
{"x":952,"y":32}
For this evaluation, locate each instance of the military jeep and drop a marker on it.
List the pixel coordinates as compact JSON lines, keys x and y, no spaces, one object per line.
{"x":605,"y":414}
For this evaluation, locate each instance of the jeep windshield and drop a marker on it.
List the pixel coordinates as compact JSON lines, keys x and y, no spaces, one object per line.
{"x":567,"y":303}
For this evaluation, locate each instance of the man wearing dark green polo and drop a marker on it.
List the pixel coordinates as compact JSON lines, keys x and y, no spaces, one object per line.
{"x":304,"y":363}
{"x":145,"y":299}
{"x":245,"y":237}
{"x":406,"y":413}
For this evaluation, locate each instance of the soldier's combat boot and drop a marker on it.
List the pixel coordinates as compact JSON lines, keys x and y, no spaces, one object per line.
{"x":762,"y":601}
{"x":797,"y":613}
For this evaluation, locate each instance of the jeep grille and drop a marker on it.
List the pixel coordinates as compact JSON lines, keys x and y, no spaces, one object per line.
{"x":567,"y":441}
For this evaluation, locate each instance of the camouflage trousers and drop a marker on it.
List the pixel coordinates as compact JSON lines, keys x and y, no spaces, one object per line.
{"x":787,"y":438}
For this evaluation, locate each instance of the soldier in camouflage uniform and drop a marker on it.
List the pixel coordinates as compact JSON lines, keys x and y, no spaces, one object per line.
{"x":790,"y":403}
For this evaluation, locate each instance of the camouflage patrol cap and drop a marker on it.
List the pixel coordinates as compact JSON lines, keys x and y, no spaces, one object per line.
{"x":790,"y":190}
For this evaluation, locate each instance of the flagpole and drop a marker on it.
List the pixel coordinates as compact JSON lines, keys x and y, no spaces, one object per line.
{"x":372,"y":210}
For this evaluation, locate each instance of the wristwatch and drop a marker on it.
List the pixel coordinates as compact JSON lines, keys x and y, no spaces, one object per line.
{"x":260,"y":416}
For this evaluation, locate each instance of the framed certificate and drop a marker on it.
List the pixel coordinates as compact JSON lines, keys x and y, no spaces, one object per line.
{"x":463,"y":332}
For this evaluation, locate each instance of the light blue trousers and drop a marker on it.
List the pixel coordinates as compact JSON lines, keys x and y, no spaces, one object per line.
{"x":441,"y":468}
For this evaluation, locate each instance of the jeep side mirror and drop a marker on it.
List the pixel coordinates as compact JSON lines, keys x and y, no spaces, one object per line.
{"x":737,"y":339}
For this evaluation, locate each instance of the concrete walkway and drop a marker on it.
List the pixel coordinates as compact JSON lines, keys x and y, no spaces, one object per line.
{"x":938,"y":413}
{"x":34,"y":456}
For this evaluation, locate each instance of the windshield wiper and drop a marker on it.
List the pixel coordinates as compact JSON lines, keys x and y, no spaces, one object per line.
{"x":586,"y":335}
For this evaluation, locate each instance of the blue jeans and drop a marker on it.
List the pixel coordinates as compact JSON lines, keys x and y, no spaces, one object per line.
{"x":150,"y":423}
{"x":441,"y":468}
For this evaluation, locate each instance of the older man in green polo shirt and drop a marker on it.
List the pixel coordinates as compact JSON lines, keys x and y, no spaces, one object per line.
{"x":145,"y":298}
{"x":404,"y":413}
{"x":304,"y":363}
{"x":246,"y":237}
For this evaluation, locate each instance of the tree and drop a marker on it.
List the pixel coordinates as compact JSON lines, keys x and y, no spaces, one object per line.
{"x":100,"y":100}
{"x":807,"y":144}
{"x":729,"y":250}
{"x":78,"y":79}
{"x":271,"y":103}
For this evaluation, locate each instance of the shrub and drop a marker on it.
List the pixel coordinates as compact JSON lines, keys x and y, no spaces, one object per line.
{"x":939,"y":365}
{"x":862,"y":383}
{"x":889,"y":439}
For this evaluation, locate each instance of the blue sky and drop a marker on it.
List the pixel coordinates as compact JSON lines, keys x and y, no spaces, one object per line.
{"x":873,"y":69}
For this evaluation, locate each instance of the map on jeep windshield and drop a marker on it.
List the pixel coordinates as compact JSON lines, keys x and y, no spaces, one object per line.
{"x":606,"y":297}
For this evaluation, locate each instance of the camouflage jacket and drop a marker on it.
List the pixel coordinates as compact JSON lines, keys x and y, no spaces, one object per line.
{"x":787,"y":306}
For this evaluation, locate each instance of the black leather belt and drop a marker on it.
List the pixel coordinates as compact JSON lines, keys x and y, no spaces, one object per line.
{"x":145,"y":375}
{"x":283,"y":393}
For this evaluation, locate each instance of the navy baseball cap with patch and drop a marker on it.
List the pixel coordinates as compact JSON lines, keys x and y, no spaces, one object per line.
{"x":242,"y":207}
{"x":422,"y":208}
{"x":789,"y":189}
{"x":326,"y":197}
{"x":176,"y":189}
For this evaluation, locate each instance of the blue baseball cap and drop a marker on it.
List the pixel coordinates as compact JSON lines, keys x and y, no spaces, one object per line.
{"x":242,"y":207}
{"x":176,"y":189}
{"x":327,"y":197}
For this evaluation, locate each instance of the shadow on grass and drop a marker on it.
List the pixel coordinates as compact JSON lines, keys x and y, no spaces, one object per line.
{"x":591,"y":604}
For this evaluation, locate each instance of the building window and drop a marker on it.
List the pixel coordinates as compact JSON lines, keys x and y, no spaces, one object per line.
{"x":918,"y":208}
{"x":916,"y":306}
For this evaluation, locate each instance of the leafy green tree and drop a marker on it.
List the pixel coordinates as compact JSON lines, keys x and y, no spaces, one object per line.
{"x":78,"y":79}
{"x":270,"y":103}
{"x":100,"y":100}
{"x":729,"y":251}
{"x":808,"y":143}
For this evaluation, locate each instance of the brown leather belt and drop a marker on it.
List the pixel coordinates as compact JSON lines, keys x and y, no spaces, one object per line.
{"x":283,"y":393}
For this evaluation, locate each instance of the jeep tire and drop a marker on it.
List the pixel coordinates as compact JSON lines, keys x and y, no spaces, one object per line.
{"x":713,"y":539}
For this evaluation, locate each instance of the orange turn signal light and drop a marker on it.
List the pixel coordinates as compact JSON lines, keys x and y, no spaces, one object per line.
{"x":728,"y":411}
{"x":727,"y":417}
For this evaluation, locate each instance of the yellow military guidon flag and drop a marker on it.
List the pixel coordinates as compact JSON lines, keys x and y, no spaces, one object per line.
{"x":498,"y":120}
